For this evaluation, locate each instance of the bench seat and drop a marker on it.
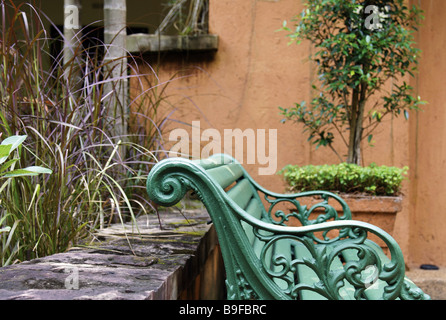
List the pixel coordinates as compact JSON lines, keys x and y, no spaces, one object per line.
{"x":327,"y":256}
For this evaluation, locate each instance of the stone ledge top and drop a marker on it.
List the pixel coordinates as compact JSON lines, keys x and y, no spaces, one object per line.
{"x":129,"y":262}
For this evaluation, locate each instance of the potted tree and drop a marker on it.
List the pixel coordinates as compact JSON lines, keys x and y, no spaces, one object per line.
{"x":359,"y":47}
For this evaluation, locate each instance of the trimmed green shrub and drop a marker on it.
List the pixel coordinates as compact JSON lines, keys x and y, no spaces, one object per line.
{"x":346,"y":178}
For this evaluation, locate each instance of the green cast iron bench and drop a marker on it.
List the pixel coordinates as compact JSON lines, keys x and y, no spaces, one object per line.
{"x":328,"y":257}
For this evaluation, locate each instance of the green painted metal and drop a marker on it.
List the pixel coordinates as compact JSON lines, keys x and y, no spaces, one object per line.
{"x":266,"y":259}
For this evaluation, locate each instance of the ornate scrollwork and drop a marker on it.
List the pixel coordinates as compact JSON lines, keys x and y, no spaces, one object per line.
{"x":166,"y":188}
{"x":302,"y":212}
{"x":168,"y":184}
{"x":241,"y":289}
{"x":337,"y":277}
{"x":409,"y":292}
{"x":245,"y":290}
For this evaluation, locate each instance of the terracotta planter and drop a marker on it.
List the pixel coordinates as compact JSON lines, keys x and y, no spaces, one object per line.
{"x":379,"y":211}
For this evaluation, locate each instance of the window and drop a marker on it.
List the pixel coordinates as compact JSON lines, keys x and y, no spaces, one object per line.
{"x":185,"y":17}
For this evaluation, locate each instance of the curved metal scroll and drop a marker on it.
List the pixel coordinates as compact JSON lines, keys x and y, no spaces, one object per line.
{"x":338,"y":281}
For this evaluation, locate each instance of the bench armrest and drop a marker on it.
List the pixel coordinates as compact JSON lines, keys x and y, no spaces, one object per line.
{"x":351,"y":237}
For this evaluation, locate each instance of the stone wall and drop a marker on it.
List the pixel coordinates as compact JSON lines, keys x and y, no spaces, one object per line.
{"x":139,"y":261}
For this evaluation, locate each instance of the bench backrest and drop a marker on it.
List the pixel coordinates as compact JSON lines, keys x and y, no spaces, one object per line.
{"x":232,"y":178}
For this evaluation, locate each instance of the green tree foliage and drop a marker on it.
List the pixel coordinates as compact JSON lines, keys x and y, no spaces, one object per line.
{"x":359,"y":47}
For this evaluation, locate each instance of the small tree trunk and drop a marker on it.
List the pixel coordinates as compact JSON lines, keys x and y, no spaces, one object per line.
{"x":351,"y":156}
{"x":356,"y":123}
{"x":355,"y":151}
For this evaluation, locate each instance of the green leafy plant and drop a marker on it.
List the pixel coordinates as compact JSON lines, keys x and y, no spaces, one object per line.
{"x":359,"y":47}
{"x":346,"y":178}
{"x":7,"y":146}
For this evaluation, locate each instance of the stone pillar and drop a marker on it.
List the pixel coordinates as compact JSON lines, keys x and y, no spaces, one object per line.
{"x":115,"y":64}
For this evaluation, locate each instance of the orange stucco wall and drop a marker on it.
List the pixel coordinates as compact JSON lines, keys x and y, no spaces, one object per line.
{"x":428,"y":141}
{"x":254,"y":71}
